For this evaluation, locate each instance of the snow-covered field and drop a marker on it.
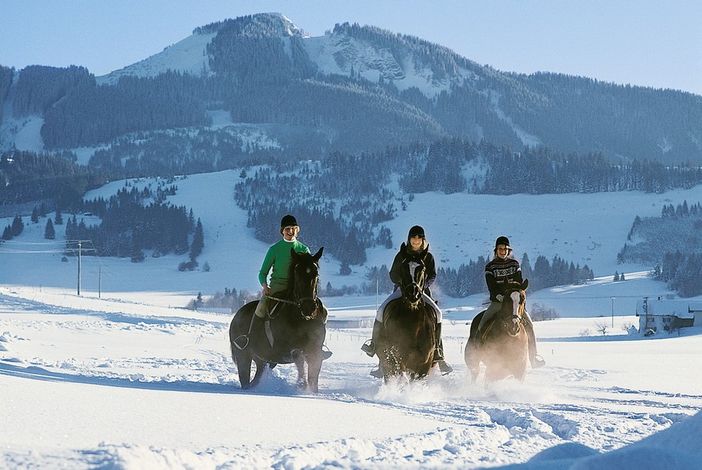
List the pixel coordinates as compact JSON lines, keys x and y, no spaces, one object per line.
{"x":582,"y":228}
{"x":133,"y":380}
{"x":89,"y":383}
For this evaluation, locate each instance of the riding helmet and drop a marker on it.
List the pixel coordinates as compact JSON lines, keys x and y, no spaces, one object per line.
{"x":416,"y":231}
{"x":288,"y":221}
{"x":502,"y":240}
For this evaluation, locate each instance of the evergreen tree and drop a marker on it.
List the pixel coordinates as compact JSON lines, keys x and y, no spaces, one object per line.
{"x":35,"y":215}
{"x":198,"y":241}
{"x":49,"y":232}
{"x":58,"y":219}
{"x":526,"y":267}
{"x":17,"y":226}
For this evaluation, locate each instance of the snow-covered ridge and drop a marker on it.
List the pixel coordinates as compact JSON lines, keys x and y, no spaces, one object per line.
{"x":186,"y":56}
{"x":333,"y":54}
{"x":344,"y":55}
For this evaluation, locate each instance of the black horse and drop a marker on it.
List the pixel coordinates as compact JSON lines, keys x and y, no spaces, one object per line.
{"x":503,"y":344}
{"x":407,"y":342}
{"x":297,"y":328}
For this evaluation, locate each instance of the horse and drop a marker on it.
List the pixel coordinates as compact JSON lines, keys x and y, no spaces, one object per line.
{"x":503,"y":345}
{"x":407,"y":342}
{"x":293,"y":333}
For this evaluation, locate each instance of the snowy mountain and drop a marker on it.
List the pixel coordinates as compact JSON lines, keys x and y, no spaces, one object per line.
{"x":355,"y":88}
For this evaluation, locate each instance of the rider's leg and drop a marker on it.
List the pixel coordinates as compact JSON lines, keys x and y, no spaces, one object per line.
{"x":259,"y":316}
{"x":439,"y":351}
{"x":535,"y":360}
{"x":369,"y":346}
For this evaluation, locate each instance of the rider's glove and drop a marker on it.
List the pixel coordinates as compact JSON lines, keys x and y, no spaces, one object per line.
{"x":499,"y":297}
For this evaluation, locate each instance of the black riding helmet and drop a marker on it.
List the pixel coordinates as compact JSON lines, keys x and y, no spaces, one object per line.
{"x":502,"y":240}
{"x":416,"y":231}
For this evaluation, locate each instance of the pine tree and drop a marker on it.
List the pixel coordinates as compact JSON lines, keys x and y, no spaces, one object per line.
{"x":58,"y":220}
{"x":49,"y":232}
{"x":17,"y":226}
{"x":198,"y":241}
{"x":35,"y":215}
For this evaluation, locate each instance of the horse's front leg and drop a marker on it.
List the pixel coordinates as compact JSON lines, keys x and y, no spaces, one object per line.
{"x":299,"y":359}
{"x":314,"y":366}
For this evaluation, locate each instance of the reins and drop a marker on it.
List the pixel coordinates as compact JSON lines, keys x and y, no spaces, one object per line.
{"x":298,"y":304}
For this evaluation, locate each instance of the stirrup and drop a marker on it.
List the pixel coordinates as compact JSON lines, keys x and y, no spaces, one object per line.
{"x":326,"y":353}
{"x":538,"y":362}
{"x":368,"y":348}
{"x":241,"y":339}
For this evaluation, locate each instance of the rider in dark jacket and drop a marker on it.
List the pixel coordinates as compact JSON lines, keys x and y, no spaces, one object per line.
{"x":416,"y":245}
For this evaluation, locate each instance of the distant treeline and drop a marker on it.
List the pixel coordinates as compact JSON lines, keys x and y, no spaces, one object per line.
{"x":129,"y":226}
{"x":682,"y":272}
{"x":469,"y":279}
{"x":28,"y":176}
{"x":672,"y":243}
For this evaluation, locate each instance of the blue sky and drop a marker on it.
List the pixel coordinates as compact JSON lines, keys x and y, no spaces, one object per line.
{"x":649,"y":43}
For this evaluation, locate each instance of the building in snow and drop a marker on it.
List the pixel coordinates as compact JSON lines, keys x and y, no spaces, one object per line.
{"x":665,"y":315}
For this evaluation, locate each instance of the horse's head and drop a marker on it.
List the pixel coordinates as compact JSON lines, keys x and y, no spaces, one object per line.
{"x":413,"y":277}
{"x":513,"y":306}
{"x":304,"y":279}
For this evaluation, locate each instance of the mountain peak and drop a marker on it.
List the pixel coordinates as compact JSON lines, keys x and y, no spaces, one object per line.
{"x":258,"y":25}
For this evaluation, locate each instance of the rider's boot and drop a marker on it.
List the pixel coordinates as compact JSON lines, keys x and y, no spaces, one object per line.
{"x":377,"y":372}
{"x":535,"y":360}
{"x":439,"y":359}
{"x":326,"y":353}
{"x":370,"y":345}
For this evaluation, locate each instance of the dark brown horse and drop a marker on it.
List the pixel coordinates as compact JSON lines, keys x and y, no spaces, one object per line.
{"x":407,"y":342}
{"x":503,"y":345}
{"x":297,"y":327}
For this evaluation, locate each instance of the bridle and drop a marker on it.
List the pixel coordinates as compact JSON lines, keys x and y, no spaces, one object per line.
{"x":416,"y":276}
{"x":298,"y":300}
{"x":516,"y":319}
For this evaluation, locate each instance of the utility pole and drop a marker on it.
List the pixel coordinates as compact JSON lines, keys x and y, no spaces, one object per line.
{"x":79,"y":260}
{"x":612,"y":311}
{"x":99,"y":281}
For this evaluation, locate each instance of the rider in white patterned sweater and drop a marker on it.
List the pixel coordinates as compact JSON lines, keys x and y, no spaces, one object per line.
{"x":500,"y":271}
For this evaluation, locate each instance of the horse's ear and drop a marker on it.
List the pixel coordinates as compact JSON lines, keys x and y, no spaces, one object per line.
{"x":423,"y":255}
{"x":294,"y":254}
{"x":318,"y":255}
{"x":525,"y":284}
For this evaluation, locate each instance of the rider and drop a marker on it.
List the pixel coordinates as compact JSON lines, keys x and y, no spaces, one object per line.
{"x":502,"y":269}
{"x":278,"y":259}
{"x":416,"y":244}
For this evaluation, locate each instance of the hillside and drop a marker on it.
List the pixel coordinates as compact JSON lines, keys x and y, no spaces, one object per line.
{"x":582,"y":228}
{"x":357,"y":88}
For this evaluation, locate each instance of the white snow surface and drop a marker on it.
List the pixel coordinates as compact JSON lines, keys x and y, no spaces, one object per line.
{"x":187,"y":56}
{"x":95,"y":383}
{"x":127,"y":378}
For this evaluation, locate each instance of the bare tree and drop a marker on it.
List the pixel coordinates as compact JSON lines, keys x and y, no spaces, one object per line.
{"x":601,"y":327}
